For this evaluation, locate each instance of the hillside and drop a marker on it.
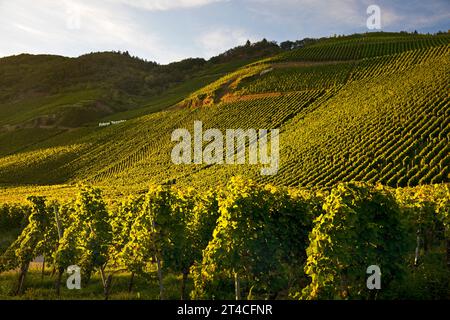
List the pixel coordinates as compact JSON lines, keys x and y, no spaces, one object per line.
{"x":54,"y":91}
{"x":371,"y":107}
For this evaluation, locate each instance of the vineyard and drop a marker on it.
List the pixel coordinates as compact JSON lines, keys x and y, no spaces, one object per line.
{"x":397,"y":142}
{"x":363,"y":179}
{"x":243,"y":241}
{"x":379,"y":117}
{"x":361,"y":47}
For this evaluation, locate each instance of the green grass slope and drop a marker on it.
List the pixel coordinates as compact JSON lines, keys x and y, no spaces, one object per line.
{"x":366,"y":107}
{"x":41,"y":91}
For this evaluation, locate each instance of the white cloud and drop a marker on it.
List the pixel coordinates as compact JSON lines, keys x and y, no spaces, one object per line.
{"x":219,"y":40}
{"x":29,"y":30}
{"x":162,"y":5}
{"x":333,"y":15}
{"x":49,"y":26}
{"x":326,"y":12}
{"x":42,"y":27}
{"x":409,"y":21}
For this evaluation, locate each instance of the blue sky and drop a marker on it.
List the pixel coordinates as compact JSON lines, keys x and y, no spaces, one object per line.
{"x":171,"y":30}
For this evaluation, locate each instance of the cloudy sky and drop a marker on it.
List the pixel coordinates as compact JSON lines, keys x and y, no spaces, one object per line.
{"x":170,"y":30}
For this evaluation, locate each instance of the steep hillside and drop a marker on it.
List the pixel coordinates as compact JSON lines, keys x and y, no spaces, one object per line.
{"x":50,"y":91}
{"x":56,"y":91}
{"x":365,"y":107}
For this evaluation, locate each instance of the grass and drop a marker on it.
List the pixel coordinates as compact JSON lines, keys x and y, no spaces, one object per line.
{"x":23,"y":139}
{"x":33,"y":107}
{"x":168,"y":99}
{"x":38,"y":287}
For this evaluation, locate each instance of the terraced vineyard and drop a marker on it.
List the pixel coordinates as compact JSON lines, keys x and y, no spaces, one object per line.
{"x":397,"y":138}
{"x":373,"y":108}
{"x":287,"y":79}
{"x":360,"y":47}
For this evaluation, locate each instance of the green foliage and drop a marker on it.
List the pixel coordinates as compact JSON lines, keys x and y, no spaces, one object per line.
{"x":430,"y":280}
{"x":26,"y":247}
{"x":214,"y":92}
{"x":202,"y":222}
{"x":95,"y":230}
{"x":41,"y":91}
{"x":272,"y":242}
{"x":13,"y":216}
{"x":251,"y":241}
{"x":361,"y":226}
{"x":382,"y":117}
{"x":370,"y":108}
{"x":362,"y":46}
{"x":148,"y":232}
{"x":122,"y":220}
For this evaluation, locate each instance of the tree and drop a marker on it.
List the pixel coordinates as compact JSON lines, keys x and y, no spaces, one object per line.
{"x":95,"y":233}
{"x":287,"y":45}
{"x":28,"y":245}
{"x":361,"y":226}
{"x":67,"y":252}
{"x":247,"y":243}
{"x":178,"y":251}
{"x":86,"y":239}
{"x":148,"y":234}
{"x":122,"y":221}
{"x":427,"y":209}
{"x":194,"y":218}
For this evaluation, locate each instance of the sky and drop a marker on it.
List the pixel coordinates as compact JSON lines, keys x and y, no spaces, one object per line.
{"x":171,"y":30}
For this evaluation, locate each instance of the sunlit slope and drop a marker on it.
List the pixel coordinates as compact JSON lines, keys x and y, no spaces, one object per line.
{"x":50,"y":91}
{"x":362,"y":46}
{"x":380,"y":118}
{"x":393,"y":129}
{"x":44,"y":91}
{"x":328,"y":63}
{"x":38,"y":109}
